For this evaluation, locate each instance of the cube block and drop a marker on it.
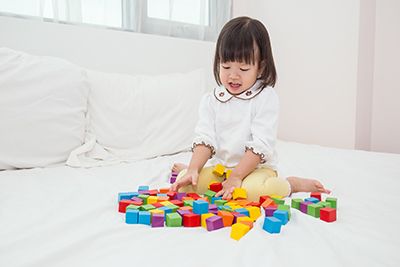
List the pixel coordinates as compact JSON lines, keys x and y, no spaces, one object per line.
{"x":214,"y":223}
{"x":238,"y":230}
{"x":327,"y":214}
{"x":272,"y":225}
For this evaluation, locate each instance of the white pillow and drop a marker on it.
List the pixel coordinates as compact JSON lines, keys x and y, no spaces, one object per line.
{"x":140,"y":116}
{"x":43,"y":102}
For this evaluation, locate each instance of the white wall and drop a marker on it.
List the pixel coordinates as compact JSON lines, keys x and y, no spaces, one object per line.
{"x":385,"y":134}
{"x":315,"y":46}
{"x":107,"y":50}
{"x":337,"y":63}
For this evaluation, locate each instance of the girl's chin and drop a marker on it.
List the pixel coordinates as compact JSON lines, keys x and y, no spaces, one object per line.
{"x":235,"y":90}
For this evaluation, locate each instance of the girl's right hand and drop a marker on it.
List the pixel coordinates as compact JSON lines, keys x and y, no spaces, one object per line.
{"x":190,"y":177}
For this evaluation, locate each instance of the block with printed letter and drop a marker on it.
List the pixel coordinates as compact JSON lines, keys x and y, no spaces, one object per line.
{"x":219,"y":170}
{"x":239,"y":193}
{"x":238,"y":230}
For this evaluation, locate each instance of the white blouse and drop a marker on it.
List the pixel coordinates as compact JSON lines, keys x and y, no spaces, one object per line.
{"x":231,"y":124}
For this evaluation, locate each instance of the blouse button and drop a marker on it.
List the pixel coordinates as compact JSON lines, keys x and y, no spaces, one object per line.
{"x":248,"y":93}
{"x":221,"y":94}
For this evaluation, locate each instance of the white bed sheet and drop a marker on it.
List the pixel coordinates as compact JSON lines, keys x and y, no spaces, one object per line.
{"x":65,"y":216}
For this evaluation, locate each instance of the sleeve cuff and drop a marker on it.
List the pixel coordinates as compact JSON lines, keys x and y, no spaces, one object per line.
{"x":211,"y":147}
{"x":262,"y":156}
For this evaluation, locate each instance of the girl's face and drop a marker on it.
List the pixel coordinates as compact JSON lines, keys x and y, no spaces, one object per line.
{"x":237,"y":77}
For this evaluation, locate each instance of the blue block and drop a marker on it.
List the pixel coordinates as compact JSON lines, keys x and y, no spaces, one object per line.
{"x":243,"y":211}
{"x":143,"y":188}
{"x":127,"y":195}
{"x":282,"y":215}
{"x":131,"y":216}
{"x":144,"y":217}
{"x":215,"y":198}
{"x":166,"y":210}
{"x":161,"y":195}
{"x":200,"y":207}
{"x":272,"y":225}
{"x":312,"y":199}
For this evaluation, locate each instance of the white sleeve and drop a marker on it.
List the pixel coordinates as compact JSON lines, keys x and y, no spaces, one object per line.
{"x":205,"y":128}
{"x":264,"y":126}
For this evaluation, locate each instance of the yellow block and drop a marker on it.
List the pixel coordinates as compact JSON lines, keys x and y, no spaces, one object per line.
{"x":156,"y":211}
{"x":255,"y":212}
{"x":228,"y":173}
{"x":166,"y":203}
{"x":204,"y":217}
{"x":243,"y":219}
{"x":276,"y":196}
{"x":152,"y":199}
{"x":238,"y":230}
{"x":239,"y":193}
{"x":219,"y":170}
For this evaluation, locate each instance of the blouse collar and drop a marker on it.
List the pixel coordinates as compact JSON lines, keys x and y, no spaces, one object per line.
{"x":223,"y":95}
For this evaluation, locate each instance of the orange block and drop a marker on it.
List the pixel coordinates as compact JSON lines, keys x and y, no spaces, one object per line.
{"x":242,"y":202}
{"x":161,"y":199}
{"x":267,"y":203}
{"x":187,"y":198}
{"x":227,"y":217}
{"x":186,"y":208}
{"x":248,"y":223}
{"x":164,"y":190}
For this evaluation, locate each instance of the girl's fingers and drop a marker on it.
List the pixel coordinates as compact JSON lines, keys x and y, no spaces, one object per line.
{"x":219,"y":193}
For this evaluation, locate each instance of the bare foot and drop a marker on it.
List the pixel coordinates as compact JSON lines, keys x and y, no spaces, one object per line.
{"x":178,"y":167}
{"x":306,"y":185}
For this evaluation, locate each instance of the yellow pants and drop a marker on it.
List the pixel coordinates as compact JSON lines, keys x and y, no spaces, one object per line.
{"x":262,"y":181}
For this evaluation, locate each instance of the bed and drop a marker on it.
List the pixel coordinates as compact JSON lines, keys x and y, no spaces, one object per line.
{"x":66,"y":214}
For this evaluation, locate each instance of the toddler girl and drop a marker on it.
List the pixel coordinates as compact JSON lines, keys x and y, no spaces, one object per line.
{"x":238,"y":120}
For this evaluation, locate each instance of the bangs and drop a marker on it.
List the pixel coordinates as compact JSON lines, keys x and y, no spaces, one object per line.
{"x":238,"y":46}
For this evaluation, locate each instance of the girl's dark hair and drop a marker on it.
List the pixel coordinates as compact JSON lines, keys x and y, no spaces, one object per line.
{"x":237,"y":42}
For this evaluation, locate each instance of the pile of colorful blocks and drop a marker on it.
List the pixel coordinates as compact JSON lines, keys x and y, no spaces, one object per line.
{"x":159,"y":208}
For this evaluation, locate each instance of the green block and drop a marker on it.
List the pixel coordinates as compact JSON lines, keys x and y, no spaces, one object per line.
{"x":173,"y":207}
{"x":226,"y":208}
{"x":325,"y":204}
{"x":132,"y":207}
{"x":278,"y":201}
{"x":209,"y":194}
{"x":188,"y":203}
{"x":144,"y":198}
{"x":333,"y":201}
{"x":173,"y":219}
{"x":147,"y":207}
{"x":313,"y":210}
{"x":220,"y":202}
{"x":296,"y":203}
{"x":285,"y":207}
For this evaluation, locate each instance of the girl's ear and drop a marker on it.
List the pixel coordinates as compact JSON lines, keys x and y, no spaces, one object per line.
{"x":261,"y":69}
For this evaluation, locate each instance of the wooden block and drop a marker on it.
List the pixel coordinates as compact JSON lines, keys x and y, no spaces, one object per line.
{"x":193,"y":195}
{"x":312,"y":199}
{"x":314,"y":210}
{"x":267,"y":202}
{"x":209,"y":194}
{"x":216,"y":187}
{"x":157,"y":220}
{"x":219,"y":170}
{"x":287,"y":208}
{"x":248,"y":223}
{"x":333,"y":201}
{"x":164,"y":190}
{"x":227,"y":217}
{"x":200,"y":207}
{"x":214,"y":223}
{"x":191,"y":220}
{"x":282,"y":215}
{"x":131,"y":216}
{"x":173,"y":220}
{"x":316,"y":195}
{"x":263,"y":198}
{"x":144,"y":217}
{"x":303,"y":206}
{"x":327,"y":214}
{"x":177,"y":202}
{"x":152,"y":199}
{"x":269,"y":211}
{"x":204,"y":217}
{"x":123,"y":204}
{"x":272,"y":225}
{"x":239,"y":193}
{"x":238,"y":230}
{"x":228,"y":173}
{"x":254,"y":212}
{"x":296,"y":203}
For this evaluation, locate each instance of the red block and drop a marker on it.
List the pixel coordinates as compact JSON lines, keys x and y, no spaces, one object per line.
{"x":177,"y":202}
{"x":125,"y":203}
{"x":153,"y":192}
{"x":255,"y":204}
{"x":172,"y":195}
{"x":157,"y":205}
{"x":193,"y":195}
{"x":216,"y":187}
{"x":191,"y":220}
{"x":263,"y":198}
{"x":327,"y":214}
{"x":316,"y":195}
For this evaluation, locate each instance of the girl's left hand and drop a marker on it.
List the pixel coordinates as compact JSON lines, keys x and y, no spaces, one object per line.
{"x":228,"y":186}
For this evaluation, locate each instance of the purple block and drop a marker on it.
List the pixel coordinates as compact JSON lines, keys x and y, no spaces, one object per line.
{"x":213,"y":211}
{"x":236,"y":215}
{"x":212,"y":207}
{"x":172,"y":180}
{"x":144,"y":192}
{"x":137,"y":199}
{"x":157,"y":220}
{"x":181,"y":212}
{"x":269,"y":211}
{"x":304,"y":206}
{"x":179,"y":196}
{"x":214,"y":223}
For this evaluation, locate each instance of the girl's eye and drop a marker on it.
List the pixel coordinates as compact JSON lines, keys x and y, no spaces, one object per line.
{"x":244,"y":69}
{"x":225,"y":67}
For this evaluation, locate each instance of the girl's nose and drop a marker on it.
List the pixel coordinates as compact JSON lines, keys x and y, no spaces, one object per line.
{"x":233,"y":75}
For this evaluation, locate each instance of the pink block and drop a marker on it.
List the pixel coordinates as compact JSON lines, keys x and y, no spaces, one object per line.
{"x":304,"y":206}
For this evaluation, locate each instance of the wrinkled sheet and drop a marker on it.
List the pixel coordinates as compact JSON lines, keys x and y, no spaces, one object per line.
{"x":63,"y":216}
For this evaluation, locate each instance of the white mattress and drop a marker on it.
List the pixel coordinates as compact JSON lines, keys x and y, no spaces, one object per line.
{"x":63,"y":216}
